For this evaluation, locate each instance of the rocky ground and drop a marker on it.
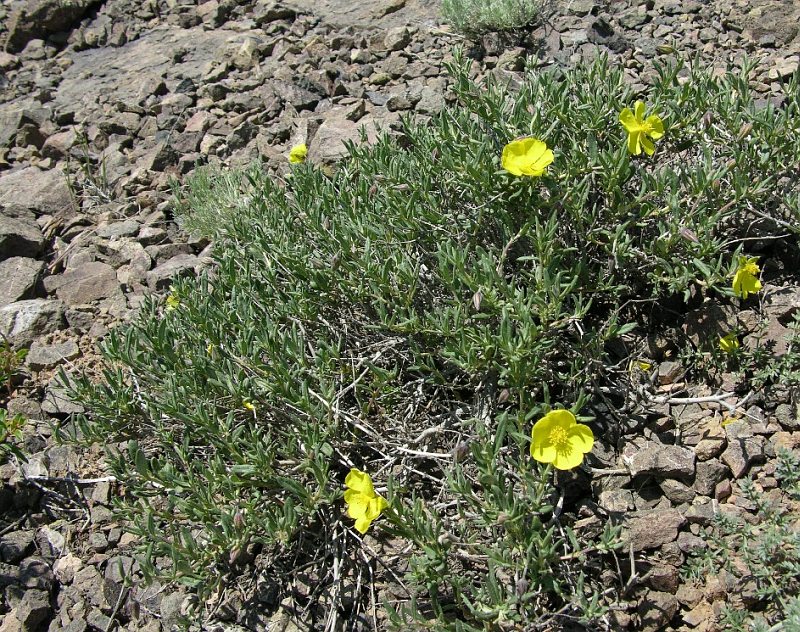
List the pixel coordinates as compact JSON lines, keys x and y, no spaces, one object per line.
{"x":103,"y":103}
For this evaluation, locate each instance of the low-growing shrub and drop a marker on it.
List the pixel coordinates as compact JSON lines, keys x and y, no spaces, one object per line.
{"x":410,"y":316}
{"x":479,"y":16}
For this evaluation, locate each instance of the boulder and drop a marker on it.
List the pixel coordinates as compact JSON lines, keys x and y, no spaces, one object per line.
{"x":18,"y":279}
{"x":36,"y":19}
{"x":24,"y":321}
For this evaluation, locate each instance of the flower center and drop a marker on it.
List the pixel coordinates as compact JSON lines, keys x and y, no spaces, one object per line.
{"x":559,"y":438}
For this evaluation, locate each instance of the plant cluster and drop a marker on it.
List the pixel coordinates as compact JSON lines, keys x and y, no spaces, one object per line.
{"x":399,"y":325}
{"x":474,"y":17}
{"x":10,"y":425}
{"x":764,"y":553}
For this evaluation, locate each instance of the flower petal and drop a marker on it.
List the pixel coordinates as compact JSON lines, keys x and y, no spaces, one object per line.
{"x":357,"y":505}
{"x":581,"y":438}
{"x":638,"y":109}
{"x":359,"y":481}
{"x":362,"y":524}
{"x":566,"y":460}
{"x":656,"y":126}
{"x":544,"y":453}
{"x":634,"y":143}
{"x":526,"y":157}
{"x":628,"y":121}
{"x":647,"y":144}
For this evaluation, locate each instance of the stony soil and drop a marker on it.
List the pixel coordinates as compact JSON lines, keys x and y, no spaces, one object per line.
{"x":102,"y":103}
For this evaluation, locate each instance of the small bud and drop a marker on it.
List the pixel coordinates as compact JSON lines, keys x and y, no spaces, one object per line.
{"x":502,"y":518}
{"x":461,"y":451}
{"x":326,"y":224}
{"x":708,"y":119}
{"x":730,"y":164}
{"x":744,"y":131}
{"x":503,"y":397}
{"x":238,"y":520}
{"x":373,"y":190}
{"x":688,"y":233}
{"x":476,"y":300}
{"x":665,"y":49}
{"x":522,"y":587}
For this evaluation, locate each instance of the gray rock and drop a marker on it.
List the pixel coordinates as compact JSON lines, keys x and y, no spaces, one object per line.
{"x":665,"y":461}
{"x":40,"y":18}
{"x":33,"y":609}
{"x":18,"y":279}
{"x":669,"y":372}
{"x":616,"y":500}
{"x":57,"y":401}
{"x":34,"y":572}
{"x":90,"y":282}
{"x":677,"y":492}
{"x":787,"y":417}
{"x":701,"y":513}
{"x":651,"y":529}
{"x":42,"y":192}
{"x":707,"y":475}
{"x":742,"y":452}
{"x":47,"y":356}
{"x":161,"y":277}
{"x":15,"y":545}
{"x":98,"y":620}
{"x":77,"y":625}
{"x":19,"y":237}
{"x":582,"y":8}
{"x":24,"y":321}
{"x":690,"y":543}
{"x":328,"y":144}
{"x":397,"y":38}
{"x":656,"y":610}
{"x":171,"y":609}
{"x":126,"y":228}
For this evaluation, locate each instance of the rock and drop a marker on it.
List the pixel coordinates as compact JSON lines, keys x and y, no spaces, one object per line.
{"x":743,"y":448}
{"x":90,"y":282}
{"x":774,"y":337}
{"x":15,"y":545}
{"x":784,"y":69}
{"x":24,"y":321}
{"x":713,"y":440}
{"x":699,"y":614}
{"x":785,"y":441}
{"x":582,"y":8}
{"x":656,"y":610}
{"x":665,"y":461}
{"x":690,"y":543}
{"x":47,"y":356}
{"x":19,"y":277}
{"x":397,"y":38}
{"x":40,"y":18}
{"x":669,"y":372}
{"x":651,"y":529}
{"x":34,"y":572}
{"x":42,"y":192}
{"x":328,"y":145}
{"x":126,"y":228}
{"x":701,"y":512}
{"x":662,"y":577}
{"x":677,"y":492}
{"x":705,"y":325}
{"x":267,"y":11}
{"x":787,"y":417}
{"x":161,"y":277}
{"x":19,"y":237}
{"x":33,"y":609}
{"x":707,"y":475}
{"x":616,"y":500}
{"x":57,"y":401}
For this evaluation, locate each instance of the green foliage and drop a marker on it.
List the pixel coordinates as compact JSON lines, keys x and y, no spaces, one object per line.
{"x":412,"y":315}
{"x":10,"y":425}
{"x":764,"y":553}
{"x":479,"y":16}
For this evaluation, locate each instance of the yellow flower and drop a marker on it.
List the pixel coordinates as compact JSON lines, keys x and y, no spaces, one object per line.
{"x":729,"y":343}
{"x":526,"y":156}
{"x":558,"y":439}
{"x":298,"y":153}
{"x":745,"y":280}
{"x":249,"y":405}
{"x":173,"y":302}
{"x":363,"y":504}
{"x":640,"y":128}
